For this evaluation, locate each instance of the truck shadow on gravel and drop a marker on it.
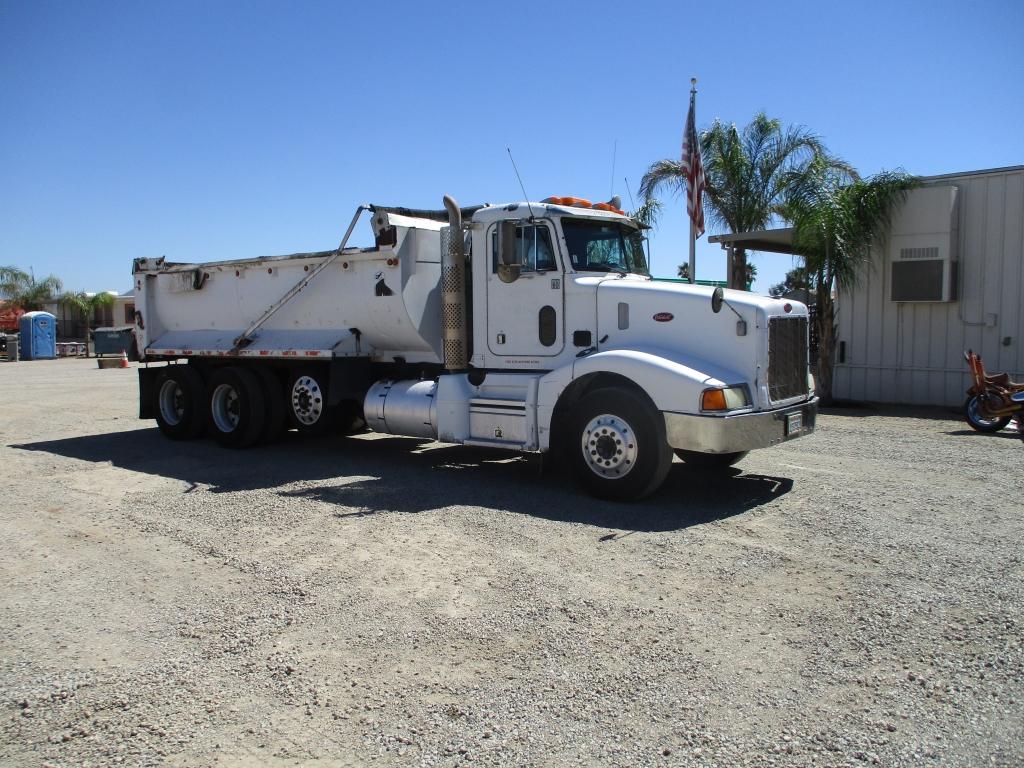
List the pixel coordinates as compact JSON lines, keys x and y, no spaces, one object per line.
{"x":685,"y":500}
{"x":396,"y":475}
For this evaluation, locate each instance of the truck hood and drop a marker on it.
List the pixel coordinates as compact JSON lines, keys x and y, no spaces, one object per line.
{"x":677,"y":317}
{"x":672,"y":291}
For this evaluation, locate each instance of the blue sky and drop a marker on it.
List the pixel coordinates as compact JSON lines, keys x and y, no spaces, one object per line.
{"x":201,"y":130}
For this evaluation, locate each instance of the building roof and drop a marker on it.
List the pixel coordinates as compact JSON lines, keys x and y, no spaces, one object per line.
{"x":781,"y":240}
{"x":772,"y":240}
{"x":982,"y":172}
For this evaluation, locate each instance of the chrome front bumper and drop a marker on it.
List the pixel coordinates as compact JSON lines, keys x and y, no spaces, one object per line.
{"x":730,"y":434}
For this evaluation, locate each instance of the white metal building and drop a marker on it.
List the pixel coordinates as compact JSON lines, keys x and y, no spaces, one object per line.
{"x":950,"y":278}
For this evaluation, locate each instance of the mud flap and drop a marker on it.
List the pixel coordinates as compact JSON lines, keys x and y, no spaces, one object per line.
{"x":349,"y":379}
{"x":147,"y":392}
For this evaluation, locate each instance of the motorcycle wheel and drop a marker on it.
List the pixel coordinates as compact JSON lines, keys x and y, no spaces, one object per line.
{"x":980,"y":423}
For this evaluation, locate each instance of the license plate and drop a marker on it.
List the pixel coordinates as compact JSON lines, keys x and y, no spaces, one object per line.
{"x":794,"y":423}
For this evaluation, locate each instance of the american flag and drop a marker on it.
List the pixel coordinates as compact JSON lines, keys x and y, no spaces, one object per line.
{"x":693,"y":169}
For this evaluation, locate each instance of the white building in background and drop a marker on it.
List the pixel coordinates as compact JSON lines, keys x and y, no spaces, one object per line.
{"x":70,"y":324}
{"x":950,"y":278}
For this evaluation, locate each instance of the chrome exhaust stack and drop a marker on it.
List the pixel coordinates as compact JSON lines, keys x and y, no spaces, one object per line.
{"x":454,"y":334}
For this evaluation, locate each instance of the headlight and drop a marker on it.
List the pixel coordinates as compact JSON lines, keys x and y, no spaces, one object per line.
{"x":726,"y":399}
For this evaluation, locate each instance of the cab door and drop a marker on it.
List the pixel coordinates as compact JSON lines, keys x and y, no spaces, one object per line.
{"x":525,"y":317}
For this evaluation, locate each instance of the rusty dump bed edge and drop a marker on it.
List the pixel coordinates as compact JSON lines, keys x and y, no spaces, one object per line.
{"x":180,"y":266}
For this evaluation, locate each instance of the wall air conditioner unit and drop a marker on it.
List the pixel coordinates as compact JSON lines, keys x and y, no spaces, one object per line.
{"x":923,"y":246}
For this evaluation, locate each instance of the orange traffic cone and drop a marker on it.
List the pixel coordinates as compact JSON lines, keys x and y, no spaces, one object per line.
{"x":124,"y":360}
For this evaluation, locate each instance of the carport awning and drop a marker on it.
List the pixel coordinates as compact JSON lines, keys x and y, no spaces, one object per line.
{"x":772,"y":240}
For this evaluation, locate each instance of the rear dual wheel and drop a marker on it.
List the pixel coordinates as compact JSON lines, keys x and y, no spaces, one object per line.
{"x":237,"y":404}
{"x":181,"y":406}
{"x":309,"y":410}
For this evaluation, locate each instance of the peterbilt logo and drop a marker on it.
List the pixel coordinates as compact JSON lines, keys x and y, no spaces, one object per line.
{"x":663,"y":317}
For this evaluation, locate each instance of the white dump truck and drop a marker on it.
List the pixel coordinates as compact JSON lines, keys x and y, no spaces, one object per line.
{"x":534,"y":327}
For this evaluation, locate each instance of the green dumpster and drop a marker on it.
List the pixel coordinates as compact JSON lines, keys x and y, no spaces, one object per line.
{"x":114,"y":341}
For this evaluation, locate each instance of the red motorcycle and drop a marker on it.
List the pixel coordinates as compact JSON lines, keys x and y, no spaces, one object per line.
{"x":992,"y":401}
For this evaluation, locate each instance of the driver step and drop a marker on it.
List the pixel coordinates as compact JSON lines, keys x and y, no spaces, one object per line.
{"x":494,"y":421}
{"x":477,"y":442}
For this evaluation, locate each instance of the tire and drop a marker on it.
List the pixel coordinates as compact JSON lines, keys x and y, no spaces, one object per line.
{"x":180,"y":402}
{"x":972,"y":412}
{"x":273,"y":397}
{"x":306,"y":402}
{"x":617,"y":446}
{"x":237,"y":406}
{"x":710,"y":462}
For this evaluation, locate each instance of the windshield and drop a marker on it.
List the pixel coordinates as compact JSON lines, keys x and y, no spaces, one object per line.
{"x":604,"y":246}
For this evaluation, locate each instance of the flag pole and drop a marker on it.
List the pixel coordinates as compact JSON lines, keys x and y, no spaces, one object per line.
{"x":693,"y":234}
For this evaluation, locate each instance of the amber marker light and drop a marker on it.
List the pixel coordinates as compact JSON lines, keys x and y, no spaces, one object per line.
{"x":726,"y":399}
{"x":712,"y":400}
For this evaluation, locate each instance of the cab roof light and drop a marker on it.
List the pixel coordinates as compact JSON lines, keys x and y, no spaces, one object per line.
{"x":579,"y":202}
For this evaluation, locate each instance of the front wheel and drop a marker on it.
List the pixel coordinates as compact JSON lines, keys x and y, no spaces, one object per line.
{"x":979,"y":422}
{"x":617,"y":445}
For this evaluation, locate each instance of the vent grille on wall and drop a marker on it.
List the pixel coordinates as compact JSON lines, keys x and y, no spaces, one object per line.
{"x":919,"y":253}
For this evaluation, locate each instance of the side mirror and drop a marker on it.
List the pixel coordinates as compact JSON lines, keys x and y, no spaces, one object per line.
{"x":717,"y":298}
{"x":508,"y":265}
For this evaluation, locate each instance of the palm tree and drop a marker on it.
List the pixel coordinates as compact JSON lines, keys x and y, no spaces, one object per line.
{"x":86,"y":304}
{"x":648,"y":213}
{"x":746,"y":174}
{"x":750,"y":275}
{"x":646,"y":217}
{"x":795,"y":281}
{"x":23,"y":291}
{"x":836,"y":223}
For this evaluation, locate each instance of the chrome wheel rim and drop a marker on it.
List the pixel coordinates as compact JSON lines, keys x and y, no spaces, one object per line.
{"x":307,"y":400}
{"x":172,"y":403}
{"x":609,"y":446}
{"x":224,"y":407}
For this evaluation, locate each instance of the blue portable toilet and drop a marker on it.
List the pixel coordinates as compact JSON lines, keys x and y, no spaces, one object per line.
{"x":38,"y":336}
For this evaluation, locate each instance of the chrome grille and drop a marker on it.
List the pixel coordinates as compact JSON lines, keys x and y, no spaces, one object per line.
{"x":787,"y":357}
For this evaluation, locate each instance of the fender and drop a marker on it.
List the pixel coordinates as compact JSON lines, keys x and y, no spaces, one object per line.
{"x":673,"y":383}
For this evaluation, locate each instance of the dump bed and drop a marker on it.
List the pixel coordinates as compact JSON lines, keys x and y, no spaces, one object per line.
{"x":381,"y":302}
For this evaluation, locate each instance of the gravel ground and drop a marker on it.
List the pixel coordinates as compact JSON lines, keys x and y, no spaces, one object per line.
{"x":850,"y":598}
